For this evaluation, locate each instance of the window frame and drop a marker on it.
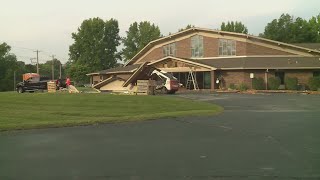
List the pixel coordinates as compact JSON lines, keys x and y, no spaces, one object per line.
{"x":227,"y":47}
{"x":169,"y":50}
{"x":197,"y":47}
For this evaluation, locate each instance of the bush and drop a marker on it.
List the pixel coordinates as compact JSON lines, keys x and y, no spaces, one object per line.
{"x":243,"y":87}
{"x":291,"y":83}
{"x":232,"y":86}
{"x":274,"y":83}
{"x":258,"y":83}
{"x":314,"y":83}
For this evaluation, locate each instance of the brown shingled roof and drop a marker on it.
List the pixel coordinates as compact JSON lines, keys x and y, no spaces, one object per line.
{"x":262,"y":62}
{"x":315,"y":46}
{"x":130,"y":68}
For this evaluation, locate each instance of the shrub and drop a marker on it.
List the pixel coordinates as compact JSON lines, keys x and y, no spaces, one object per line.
{"x":314,"y":83}
{"x":243,"y":87}
{"x":291,"y":83}
{"x":274,"y":83}
{"x":232,"y":86}
{"x":258,"y":83}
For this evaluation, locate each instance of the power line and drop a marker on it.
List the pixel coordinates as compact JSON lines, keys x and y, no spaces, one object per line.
{"x":37,"y":51}
{"x":23,"y":48}
{"x":52,"y":67}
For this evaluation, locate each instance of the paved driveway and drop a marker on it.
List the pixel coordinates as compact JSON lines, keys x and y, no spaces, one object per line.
{"x":257,"y":137}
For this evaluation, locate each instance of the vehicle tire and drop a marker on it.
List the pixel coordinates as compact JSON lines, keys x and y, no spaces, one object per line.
{"x":164,"y":90}
{"x":20,"y":90}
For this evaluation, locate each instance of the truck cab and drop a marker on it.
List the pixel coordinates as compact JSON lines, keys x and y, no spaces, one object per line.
{"x":33,"y":82}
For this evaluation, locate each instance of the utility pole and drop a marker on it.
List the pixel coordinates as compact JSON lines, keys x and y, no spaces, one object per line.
{"x":37,"y":51}
{"x":52,"y":67}
{"x":60,"y":70}
{"x":14,"y":80}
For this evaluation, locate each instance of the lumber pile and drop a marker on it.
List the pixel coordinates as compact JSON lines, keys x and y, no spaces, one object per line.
{"x":145,"y":87}
{"x":52,"y":87}
{"x":72,"y":89}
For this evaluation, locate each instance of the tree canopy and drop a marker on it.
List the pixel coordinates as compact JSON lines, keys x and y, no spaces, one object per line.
{"x":236,"y":26}
{"x":187,"y":27}
{"x":8,"y":65}
{"x":289,"y":29}
{"x":46,"y":68}
{"x":138,"y":36}
{"x":95,"y":45}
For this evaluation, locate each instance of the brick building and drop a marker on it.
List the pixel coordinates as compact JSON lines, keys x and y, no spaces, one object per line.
{"x":211,"y":55}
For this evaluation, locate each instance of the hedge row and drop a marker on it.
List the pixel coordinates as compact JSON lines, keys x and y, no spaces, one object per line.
{"x":291,"y":83}
{"x":314,"y":83}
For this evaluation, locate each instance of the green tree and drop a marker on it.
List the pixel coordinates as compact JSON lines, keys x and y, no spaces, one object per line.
{"x":232,"y":26}
{"x":314,"y":23}
{"x":138,"y":36}
{"x":187,"y":27}
{"x":78,"y":72}
{"x":289,"y":29}
{"x":8,"y":65}
{"x":46,"y":69}
{"x":95,"y":44}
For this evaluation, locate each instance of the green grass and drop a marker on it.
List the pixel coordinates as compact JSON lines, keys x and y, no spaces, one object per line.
{"x":43,"y":110}
{"x":86,"y":89}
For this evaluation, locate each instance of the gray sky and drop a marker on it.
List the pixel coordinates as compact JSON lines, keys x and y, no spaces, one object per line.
{"x":47,"y":25}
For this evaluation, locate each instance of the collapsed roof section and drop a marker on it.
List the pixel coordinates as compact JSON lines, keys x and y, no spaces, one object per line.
{"x":106,"y":81}
{"x":117,"y":70}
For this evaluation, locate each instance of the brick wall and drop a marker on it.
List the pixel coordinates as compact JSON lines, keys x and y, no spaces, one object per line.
{"x":153,"y":55}
{"x":211,"y":47}
{"x":231,"y":77}
{"x":184,"y":48}
{"x":252,"y":49}
{"x":302,"y":75}
{"x":241,"y":48}
{"x":239,"y":76}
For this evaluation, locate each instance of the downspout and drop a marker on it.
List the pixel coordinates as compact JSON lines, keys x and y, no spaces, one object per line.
{"x":266,"y":78}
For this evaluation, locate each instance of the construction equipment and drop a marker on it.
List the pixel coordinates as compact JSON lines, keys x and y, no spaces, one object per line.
{"x":192,"y":79}
{"x":165,"y":82}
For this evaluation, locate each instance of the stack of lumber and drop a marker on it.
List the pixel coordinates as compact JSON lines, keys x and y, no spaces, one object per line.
{"x":145,"y":87}
{"x":51,"y":86}
{"x":72,"y":89}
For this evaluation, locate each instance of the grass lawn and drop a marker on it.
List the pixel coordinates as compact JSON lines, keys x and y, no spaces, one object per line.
{"x":42,"y":110}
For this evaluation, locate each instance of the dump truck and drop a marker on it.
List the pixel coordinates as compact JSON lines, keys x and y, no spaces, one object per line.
{"x":33,"y":82}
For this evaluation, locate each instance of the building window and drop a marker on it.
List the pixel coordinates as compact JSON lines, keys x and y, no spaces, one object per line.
{"x":197,"y":46}
{"x":227,"y":47}
{"x":316,"y":74}
{"x":169,"y":50}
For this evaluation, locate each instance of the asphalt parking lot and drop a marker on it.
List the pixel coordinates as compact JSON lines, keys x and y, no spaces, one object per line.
{"x":267,"y":136}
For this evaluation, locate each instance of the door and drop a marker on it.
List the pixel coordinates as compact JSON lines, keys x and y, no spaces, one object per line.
{"x":281,"y":76}
{"x":207,"y":80}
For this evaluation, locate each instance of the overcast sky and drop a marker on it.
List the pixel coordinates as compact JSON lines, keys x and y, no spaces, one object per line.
{"x":47,"y":25}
